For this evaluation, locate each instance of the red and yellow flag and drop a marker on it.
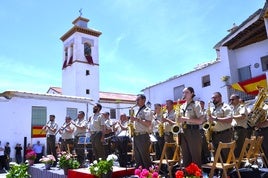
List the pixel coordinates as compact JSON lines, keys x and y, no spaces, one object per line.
{"x":38,"y":132}
{"x":251,"y":86}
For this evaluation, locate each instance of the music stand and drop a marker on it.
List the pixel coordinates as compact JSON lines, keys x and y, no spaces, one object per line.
{"x":83,"y":140}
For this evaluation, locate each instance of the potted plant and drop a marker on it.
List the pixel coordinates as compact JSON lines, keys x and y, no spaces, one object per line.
{"x":48,"y":160}
{"x":190,"y":171}
{"x":18,"y":171}
{"x":30,"y":157}
{"x":145,"y":173}
{"x":67,"y":161}
{"x":103,"y":168}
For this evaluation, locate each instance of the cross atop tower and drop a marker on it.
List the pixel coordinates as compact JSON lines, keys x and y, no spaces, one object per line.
{"x":80,"y":12}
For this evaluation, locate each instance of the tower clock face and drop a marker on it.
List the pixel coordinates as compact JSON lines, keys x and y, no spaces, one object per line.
{"x":87,"y":49}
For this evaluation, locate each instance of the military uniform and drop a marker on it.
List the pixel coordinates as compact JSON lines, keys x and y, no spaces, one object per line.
{"x":240,"y":127}
{"x":141,"y":137}
{"x":159,"y":144}
{"x":222,"y":132}
{"x":190,"y":139}
{"x":80,"y":132}
{"x":168,"y":136}
{"x":95,"y":125}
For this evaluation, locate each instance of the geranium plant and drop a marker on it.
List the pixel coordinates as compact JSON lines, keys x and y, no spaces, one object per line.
{"x":191,"y":171}
{"x":101,"y":166}
{"x":30,"y":155}
{"x":68,"y":161}
{"x":49,"y":159}
{"x":145,"y":173}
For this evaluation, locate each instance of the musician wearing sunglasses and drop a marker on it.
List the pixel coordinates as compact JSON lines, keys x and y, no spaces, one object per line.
{"x":239,"y":114}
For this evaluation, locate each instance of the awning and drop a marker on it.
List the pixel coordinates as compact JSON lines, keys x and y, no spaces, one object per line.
{"x":251,"y":86}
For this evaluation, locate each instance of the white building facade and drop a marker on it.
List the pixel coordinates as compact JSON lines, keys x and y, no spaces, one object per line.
{"x":241,"y":56}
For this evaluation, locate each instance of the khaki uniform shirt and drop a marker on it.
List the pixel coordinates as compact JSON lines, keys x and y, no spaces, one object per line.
{"x":68,"y":135}
{"x":52,"y":125}
{"x":96,"y":122}
{"x":144,"y":113}
{"x":80,"y":131}
{"x":155,"y":123}
{"x":237,"y":110}
{"x":191,"y":110}
{"x":222,"y":110}
{"x":172,"y":116}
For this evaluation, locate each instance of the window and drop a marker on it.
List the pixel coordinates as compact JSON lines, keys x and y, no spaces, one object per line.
{"x":71,"y":55}
{"x":177,"y":91}
{"x":72,"y":112}
{"x":112,"y":113}
{"x":206,"y":81}
{"x":244,"y":73}
{"x":87,"y":53}
{"x":39,"y":119}
{"x":264,"y":63}
{"x":87,"y":91}
{"x":87,"y":72}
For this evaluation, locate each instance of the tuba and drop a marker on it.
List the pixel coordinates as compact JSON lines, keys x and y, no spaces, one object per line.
{"x":258,"y":114}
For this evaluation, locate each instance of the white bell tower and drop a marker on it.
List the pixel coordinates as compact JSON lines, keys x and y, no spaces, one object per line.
{"x":80,"y":64}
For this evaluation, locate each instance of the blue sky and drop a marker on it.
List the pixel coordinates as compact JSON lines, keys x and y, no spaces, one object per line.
{"x":143,"y":42}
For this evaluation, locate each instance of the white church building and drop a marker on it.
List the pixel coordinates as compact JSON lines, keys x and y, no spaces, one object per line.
{"x":24,"y":114}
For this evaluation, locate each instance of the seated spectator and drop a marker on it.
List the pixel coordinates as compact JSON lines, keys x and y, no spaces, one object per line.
{"x":38,"y":149}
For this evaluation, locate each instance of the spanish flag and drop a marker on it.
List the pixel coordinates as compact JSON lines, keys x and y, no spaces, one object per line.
{"x":251,"y":86}
{"x":38,"y":132}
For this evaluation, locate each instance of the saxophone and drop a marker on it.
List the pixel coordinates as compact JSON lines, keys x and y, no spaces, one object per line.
{"x":161,"y":128}
{"x":131,"y":128}
{"x":177,"y":128}
{"x":258,"y":114}
{"x":208,"y":126}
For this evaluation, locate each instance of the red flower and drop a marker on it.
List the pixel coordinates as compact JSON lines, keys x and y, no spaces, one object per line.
{"x":191,"y":170}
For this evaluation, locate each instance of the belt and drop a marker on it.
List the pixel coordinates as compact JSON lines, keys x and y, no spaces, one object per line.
{"x":262,"y":129}
{"x":70,"y":139}
{"x":168,"y":133}
{"x":239,"y":127}
{"x":95,"y":132}
{"x":189,"y":126}
{"x":140,"y":133}
{"x":223,"y":131}
{"x":50,"y":135}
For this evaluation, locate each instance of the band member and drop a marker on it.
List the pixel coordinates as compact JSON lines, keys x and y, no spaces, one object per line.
{"x":142,"y":123}
{"x":109,"y":132}
{"x":122,"y":140}
{"x":159,"y":144}
{"x":239,"y":113}
{"x":169,"y":119}
{"x":67,"y":135}
{"x":80,"y":131}
{"x":221,"y":115}
{"x":205,"y":147}
{"x":97,"y":130}
{"x":51,"y":128}
{"x":262,"y":130}
{"x":191,"y":117}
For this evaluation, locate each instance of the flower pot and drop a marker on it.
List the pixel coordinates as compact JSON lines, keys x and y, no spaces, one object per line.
{"x":65,"y":170}
{"x":30,"y":162}
{"x":47,"y":166}
{"x":108,"y":175}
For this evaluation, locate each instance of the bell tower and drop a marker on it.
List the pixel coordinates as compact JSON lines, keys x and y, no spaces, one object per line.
{"x":80,"y":62}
